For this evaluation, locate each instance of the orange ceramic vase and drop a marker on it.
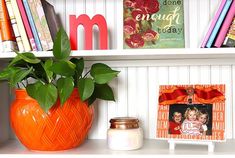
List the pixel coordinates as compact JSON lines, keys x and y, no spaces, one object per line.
{"x":63,"y":127}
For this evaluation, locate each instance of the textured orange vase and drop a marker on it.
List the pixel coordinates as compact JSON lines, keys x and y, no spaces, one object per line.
{"x":63,"y":127}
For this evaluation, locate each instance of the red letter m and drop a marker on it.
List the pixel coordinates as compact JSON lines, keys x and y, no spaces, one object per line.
{"x":88,"y":24}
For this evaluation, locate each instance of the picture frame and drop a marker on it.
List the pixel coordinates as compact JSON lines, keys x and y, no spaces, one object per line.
{"x":191,"y":112}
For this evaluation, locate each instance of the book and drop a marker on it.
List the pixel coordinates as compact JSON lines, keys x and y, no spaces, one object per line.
{"x":14,"y":26}
{"x":213,"y":23}
{"x":20,"y":25}
{"x":230,"y":38}
{"x":51,"y":17}
{"x":26,"y":25}
{"x":225,"y":27}
{"x":219,"y":23}
{"x":40,"y":19}
{"x":7,"y":36}
{"x":32,"y":25}
{"x":147,"y":25}
{"x":39,"y":27}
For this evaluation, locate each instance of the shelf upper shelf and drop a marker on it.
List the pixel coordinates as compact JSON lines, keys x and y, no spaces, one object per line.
{"x":142,"y":54}
{"x":98,"y":148}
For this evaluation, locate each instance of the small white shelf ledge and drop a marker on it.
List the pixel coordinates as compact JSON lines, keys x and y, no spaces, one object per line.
{"x":142,"y":54}
{"x":98,"y":148}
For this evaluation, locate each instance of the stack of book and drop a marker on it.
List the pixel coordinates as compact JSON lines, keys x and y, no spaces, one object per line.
{"x":27,"y":25}
{"x":222,"y":29}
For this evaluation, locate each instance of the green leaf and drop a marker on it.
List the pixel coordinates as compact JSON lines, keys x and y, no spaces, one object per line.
{"x":86,"y":88}
{"x":102,"y":73}
{"x":39,"y":71}
{"x":79,"y":66}
{"x":61,"y":48}
{"x":65,"y":88}
{"x":32,"y":89}
{"x":46,"y":67}
{"x":47,"y":96}
{"x":16,"y":60}
{"x":104,"y":91}
{"x":18,"y":76}
{"x":7,"y":73}
{"x":64,"y":68}
{"x":27,"y":57}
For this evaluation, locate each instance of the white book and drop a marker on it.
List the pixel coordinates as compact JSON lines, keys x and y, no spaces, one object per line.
{"x":15,"y":26}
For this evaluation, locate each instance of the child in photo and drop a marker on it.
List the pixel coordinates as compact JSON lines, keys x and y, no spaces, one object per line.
{"x":191,"y":126}
{"x":175,"y":124}
{"x":203,"y":118}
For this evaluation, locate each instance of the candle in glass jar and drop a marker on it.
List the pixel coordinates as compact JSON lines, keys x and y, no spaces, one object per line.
{"x":125,"y":134}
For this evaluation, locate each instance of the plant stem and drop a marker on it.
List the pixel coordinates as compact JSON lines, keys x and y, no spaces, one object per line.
{"x":23,"y":84}
{"x":18,"y":85}
{"x":48,"y":78}
{"x":53,"y":84}
{"x":27,"y":82}
{"x":86,"y":73}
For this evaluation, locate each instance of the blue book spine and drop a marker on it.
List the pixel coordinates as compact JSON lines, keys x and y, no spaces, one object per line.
{"x":32,"y":25}
{"x":219,"y":23}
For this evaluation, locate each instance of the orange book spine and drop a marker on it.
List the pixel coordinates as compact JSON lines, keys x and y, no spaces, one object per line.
{"x":8,"y":38}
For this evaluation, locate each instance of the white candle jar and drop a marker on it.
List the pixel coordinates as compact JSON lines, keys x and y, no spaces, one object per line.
{"x":125,"y":134}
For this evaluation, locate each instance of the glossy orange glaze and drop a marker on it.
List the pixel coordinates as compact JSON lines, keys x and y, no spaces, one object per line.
{"x":63,"y":127}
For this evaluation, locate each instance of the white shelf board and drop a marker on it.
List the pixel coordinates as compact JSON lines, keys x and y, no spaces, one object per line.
{"x":98,"y":148}
{"x":142,"y":54}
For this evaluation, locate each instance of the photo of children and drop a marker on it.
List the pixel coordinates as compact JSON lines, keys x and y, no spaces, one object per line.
{"x":175,"y":124}
{"x":187,"y":119}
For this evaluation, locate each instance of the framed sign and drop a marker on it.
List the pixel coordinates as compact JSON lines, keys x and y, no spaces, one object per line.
{"x":191,"y":112}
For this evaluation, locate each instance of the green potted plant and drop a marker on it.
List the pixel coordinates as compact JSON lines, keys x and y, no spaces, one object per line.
{"x":51,"y":110}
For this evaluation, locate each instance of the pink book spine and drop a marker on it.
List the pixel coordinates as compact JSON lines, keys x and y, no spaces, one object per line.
{"x":225,"y":27}
{"x":213,"y":23}
{"x":26,"y":25}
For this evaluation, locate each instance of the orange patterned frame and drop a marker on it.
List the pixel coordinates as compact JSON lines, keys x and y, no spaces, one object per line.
{"x":199,"y":94}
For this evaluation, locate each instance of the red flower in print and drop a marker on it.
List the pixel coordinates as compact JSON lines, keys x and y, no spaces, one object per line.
{"x":138,"y":13}
{"x":151,"y":6}
{"x":135,"y":41}
{"x":130,"y":26}
{"x":129,"y":3}
{"x":150,"y":35}
{"x":143,"y":7}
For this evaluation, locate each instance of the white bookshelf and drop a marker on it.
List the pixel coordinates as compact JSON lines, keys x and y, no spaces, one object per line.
{"x":99,"y":148}
{"x":141,"y":54}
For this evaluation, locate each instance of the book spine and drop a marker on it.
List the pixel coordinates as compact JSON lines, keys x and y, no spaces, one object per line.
{"x":20,"y":25}
{"x":7,"y":35}
{"x":32,"y":25}
{"x":218,"y":24}
{"x":26,"y":25}
{"x":213,"y":23}
{"x":43,"y":22}
{"x":38,"y":25}
{"x":51,"y":17}
{"x":225,"y":27}
{"x":14,"y":26}
{"x":230,"y":38}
